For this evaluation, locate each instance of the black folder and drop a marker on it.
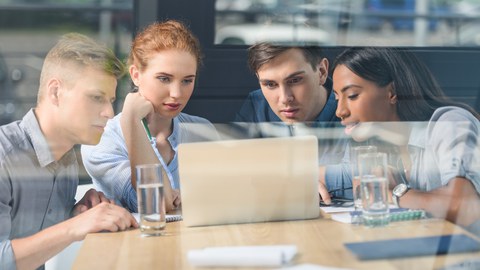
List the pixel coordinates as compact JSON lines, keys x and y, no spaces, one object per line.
{"x":417,"y":246}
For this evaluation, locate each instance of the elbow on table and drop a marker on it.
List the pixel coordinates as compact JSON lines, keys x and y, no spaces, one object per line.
{"x":464,"y":203}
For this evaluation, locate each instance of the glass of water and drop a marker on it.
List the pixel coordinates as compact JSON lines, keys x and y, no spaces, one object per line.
{"x":354,"y":153}
{"x":151,"y":200}
{"x":374,"y":188}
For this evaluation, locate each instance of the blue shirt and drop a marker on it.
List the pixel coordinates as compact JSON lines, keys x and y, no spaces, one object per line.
{"x":36,"y":191}
{"x":445,"y":147}
{"x":109,"y":166}
{"x":255,"y":109}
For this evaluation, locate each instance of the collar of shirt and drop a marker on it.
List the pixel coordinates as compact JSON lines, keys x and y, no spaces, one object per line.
{"x":172,"y":138}
{"x":328,"y":112}
{"x":40,"y":144}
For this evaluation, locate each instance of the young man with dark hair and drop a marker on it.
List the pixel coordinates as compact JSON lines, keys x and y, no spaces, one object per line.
{"x":295,"y":86}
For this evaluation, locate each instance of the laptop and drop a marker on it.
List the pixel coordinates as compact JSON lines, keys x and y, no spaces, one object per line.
{"x":250,"y":180}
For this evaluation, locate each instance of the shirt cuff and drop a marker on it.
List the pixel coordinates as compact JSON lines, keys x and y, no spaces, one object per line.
{"x":338,"y":177}
{"x":7,"y":258}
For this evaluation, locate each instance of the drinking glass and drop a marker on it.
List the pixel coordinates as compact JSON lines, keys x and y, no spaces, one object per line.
{"x":374,"y":188}
{"x":151,"y":200}
{"x":354,"y":153}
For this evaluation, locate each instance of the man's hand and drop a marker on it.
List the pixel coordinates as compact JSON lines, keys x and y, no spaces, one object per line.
{"x":323,"y":192}
{"x":89,"y":200}
{"x":101,"y":217}
{"x":322,"y":189}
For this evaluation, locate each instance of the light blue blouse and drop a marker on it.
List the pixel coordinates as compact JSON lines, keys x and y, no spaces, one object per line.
{"x":445,"y":147}
{"x":108,"y":164}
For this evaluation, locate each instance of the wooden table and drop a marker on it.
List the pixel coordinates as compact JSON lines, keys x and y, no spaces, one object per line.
{"x":319,"y":241}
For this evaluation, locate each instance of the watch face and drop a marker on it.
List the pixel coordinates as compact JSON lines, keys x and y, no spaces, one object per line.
{"x":400,"y":189}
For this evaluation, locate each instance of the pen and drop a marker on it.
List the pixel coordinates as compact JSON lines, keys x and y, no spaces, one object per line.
{"x":147,"y":130}
{"x":144,"y":120}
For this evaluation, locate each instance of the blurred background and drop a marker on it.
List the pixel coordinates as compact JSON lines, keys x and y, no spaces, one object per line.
{"x":29,"y":28}
{"x":351,"y":22}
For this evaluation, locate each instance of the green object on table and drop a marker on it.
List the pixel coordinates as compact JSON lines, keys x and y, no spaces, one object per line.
{"x":407,"y":215}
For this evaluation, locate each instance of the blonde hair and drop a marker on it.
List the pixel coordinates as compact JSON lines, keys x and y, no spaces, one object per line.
{"x":78,"y":51}
{"x":161,"y":36}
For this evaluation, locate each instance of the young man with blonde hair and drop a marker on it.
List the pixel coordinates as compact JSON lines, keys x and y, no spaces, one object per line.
{"x":38,"y":165}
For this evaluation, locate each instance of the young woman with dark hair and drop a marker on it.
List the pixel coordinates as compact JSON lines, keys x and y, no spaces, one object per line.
{"x":388,"y":91}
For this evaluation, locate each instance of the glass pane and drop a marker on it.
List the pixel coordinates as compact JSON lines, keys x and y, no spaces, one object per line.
{"x":29,"y":28}
{"x":349,"y":22}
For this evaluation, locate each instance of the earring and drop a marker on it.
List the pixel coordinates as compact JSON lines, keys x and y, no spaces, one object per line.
{"x":393,"y":100}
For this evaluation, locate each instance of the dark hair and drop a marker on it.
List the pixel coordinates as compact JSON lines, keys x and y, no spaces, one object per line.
{"x":418,"y":92}
{"x":261,"y":53}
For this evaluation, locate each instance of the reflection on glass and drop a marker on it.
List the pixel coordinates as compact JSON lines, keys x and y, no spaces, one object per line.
{"x":349,"y":22}
{"x":29,"y":28}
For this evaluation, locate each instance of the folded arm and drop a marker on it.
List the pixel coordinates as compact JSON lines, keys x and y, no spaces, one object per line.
{"x":457,"y":202}
{"x":140,"y":150}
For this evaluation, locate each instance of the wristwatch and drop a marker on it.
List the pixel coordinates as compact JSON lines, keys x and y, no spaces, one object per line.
{"x":398,"y":191}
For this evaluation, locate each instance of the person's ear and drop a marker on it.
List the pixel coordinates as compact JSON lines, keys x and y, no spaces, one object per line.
{"x":53,"y":90}
{"x":392,"y":95}
{"x":134,"y":74}
{"x":322,"y":67}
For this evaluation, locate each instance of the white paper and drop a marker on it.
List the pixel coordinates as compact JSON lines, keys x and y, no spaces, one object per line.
{"x":243,"y":256}
{"x":335,"y":209}
{"x":345,"y":217}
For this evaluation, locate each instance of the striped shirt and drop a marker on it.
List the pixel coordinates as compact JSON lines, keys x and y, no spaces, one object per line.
{"x":36,"y":191}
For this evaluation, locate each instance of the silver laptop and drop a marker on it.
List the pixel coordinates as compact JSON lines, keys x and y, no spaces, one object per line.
{"x":252,"y":180}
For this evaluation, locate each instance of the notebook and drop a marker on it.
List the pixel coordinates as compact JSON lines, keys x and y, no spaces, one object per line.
{"x":251,"y":180}
{"x":168,"y":218}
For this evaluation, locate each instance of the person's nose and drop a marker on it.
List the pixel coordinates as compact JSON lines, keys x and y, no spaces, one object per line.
{"x":175,"y":90}
{"x":286,"y":95}
{"x":108,"y":111}
{"x":342,"y":111}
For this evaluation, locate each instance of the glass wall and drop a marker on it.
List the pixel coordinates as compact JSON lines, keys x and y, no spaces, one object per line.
{"x":29,"y":28}
{"x":349,"y":22}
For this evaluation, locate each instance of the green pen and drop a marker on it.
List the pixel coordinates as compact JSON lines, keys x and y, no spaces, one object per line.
{"x":144,"y":120}
{"x":147,"y":130}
